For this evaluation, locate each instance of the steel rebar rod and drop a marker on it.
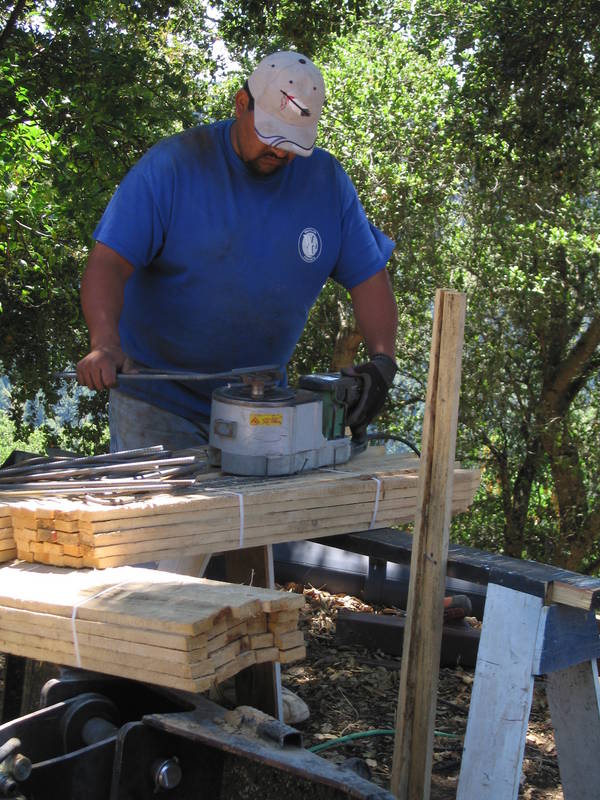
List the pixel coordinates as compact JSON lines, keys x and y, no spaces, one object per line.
{"x":134,"y":467}
{"x":100,"y":487}
{"x":62,"y":463}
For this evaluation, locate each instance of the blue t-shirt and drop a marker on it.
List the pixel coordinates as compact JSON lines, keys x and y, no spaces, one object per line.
{"x":227,"y":263}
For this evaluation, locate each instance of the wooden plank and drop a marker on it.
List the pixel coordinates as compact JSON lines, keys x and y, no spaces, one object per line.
{"x":45,"y":634}
{"x":146,"y":675}
{"x":54,"y":625}
{"x":229,"y":535}
{"x":329,"y":507}
{"x":112,"y":660}
{"x":257,"y":625}
{"x":165,"y":527}
{"x":501,"y":696}
{"x":390,"y":505}
{"x":261,"y":640}
{"x":259,"y":536}
{"x":137,"y":597}
{"x":413,"y":747}
{"x":289,"y":640}
{"x":257,"y":505}
{"x":231,"y":526}
{"x":212,"y":492}
{"x":574,"y":595}
{"x":574,"y":702}
{"x":314,"y":484}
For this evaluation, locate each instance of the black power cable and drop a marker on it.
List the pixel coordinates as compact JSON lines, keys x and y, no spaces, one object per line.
{"x":392,"y":437}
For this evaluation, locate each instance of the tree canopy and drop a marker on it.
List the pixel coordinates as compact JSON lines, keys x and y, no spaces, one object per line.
{"x":471,"y":132}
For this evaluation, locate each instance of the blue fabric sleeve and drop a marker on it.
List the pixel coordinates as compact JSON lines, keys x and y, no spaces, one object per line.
{"x":365,"y":250}
{"x":135,"y":220}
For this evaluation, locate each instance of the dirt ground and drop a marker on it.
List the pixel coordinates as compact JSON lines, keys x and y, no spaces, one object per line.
{"x":352,"y":690}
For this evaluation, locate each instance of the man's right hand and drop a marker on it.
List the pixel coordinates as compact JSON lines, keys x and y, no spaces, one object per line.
{"x":102,"y":290}
{"x":98,"y":370}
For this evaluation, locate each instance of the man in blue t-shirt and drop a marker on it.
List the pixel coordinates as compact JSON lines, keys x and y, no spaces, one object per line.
{"x":212,"y":251}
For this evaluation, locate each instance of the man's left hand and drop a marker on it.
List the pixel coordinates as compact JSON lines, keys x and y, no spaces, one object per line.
{"x":377,"y":376}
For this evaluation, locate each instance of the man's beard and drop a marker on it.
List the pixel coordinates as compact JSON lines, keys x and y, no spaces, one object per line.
{"x":253,"y":165}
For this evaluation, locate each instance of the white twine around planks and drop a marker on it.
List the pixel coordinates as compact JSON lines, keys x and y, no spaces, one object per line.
{"x":74,"y":616}
{"x":240,"y":498}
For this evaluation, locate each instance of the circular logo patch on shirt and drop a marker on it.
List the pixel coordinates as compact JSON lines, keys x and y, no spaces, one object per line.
{"x":310,"y":245}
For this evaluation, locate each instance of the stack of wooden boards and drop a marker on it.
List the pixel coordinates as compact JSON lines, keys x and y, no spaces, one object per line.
{"x":8,"y":549}
{"x":170,"y":630}
{"x":225,"y":513}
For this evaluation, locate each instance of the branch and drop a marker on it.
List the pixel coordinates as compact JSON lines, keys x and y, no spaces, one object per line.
{"x":568,"y":377}
{"x":33,"y":230}
{"x":12,"y":21}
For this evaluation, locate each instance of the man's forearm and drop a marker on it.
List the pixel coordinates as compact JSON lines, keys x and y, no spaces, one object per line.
{"x":102,"y":292}
{"x":376,"y":313}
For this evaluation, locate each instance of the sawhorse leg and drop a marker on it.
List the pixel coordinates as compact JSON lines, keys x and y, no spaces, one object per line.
{"x":501,"y":697}
{"x":260,"y":685}
{"x":522,"y":638}
{"x":574,"y":702}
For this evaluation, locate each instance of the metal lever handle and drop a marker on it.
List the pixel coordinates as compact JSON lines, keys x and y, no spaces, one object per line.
{"x":160,"y":375}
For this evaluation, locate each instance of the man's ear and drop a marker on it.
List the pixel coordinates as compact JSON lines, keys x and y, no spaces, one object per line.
{"x":241,"y":102}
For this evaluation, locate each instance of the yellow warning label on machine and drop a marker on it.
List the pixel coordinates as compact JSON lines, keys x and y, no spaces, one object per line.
{"x":266,"y":419}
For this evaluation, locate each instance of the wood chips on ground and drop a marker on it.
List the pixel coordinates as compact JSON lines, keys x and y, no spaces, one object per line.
{"x":350,"y":690}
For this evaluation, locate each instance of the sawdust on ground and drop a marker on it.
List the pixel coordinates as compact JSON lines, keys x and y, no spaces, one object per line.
{"x":352,"y":690}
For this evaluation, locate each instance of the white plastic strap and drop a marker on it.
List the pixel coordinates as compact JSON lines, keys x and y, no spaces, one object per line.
{"x":204,"y":565}
{"x":74,"y":616}
{"x":376,"y":506}
{"x":240,"y":498}
{"x":377,"y":495}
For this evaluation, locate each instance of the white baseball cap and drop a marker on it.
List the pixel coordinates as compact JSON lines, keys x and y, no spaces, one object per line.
{"x":288,"y":92}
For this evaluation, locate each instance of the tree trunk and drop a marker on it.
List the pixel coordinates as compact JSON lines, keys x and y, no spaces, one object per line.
{"x":515,"y":523}
{"x":347,"y":342}
{"x":576,"y":534}
{"x":11,"y":22}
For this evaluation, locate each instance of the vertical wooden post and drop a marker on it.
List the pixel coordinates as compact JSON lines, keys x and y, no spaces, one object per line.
{"x":413,"y":749}
{"x":260,"y":685}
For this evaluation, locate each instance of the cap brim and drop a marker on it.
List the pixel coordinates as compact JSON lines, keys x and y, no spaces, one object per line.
{"x":293,"y":138}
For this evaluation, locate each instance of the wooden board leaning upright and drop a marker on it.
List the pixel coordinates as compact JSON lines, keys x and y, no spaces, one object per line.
{"x":413,"y":749}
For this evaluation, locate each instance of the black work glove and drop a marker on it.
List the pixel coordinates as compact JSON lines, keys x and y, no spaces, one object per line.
{"x":376,"y":376}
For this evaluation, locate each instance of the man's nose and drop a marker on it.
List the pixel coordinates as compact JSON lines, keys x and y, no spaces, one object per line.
{"x":279,"y":153}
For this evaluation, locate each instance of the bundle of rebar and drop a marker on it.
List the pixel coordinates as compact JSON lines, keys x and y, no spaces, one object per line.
{"x":114,"y":477}
{"x":144,"y":470}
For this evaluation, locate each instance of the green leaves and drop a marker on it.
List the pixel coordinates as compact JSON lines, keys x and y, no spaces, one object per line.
{"x":85,"y":89}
